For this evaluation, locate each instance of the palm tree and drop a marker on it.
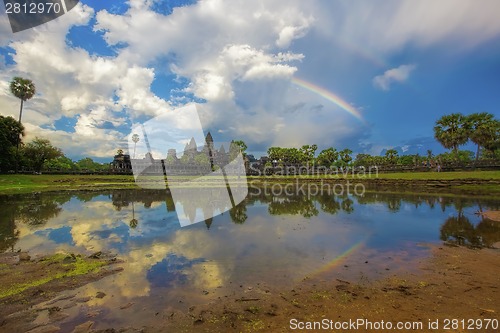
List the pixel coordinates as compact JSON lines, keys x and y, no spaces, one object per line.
{"x":345,"y":155}
{"x":451,"y":131}
{"x":134,"y":222}
{"x":391,"y":155}
{"x":135,"y":139}
{"x":483,"y":128}
{"x":23,"y":89}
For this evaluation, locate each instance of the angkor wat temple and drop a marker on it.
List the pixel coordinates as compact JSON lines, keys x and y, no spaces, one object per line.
{"x":193,"y":161}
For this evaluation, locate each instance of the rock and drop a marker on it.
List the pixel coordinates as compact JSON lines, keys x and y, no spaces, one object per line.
{"x":60,"y":298}
{"x":126,"y":306}
{"x":83,"y":299}
{"x":9,"y":258}
{"x":100,"y":294}
{"x":24,"y":256}
{"x":58,"y":316}
{"x":96,"y":255}
{"x":54,"y":309}
{"x":69,"y":259}
{"x":92,"y":314}
{"x":495,"y":245}
{"x":84,"y":328}
{"x":69,"y":305}
{"x":45,"y":329}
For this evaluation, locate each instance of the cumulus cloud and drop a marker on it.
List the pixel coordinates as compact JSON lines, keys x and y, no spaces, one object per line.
{"x":399,"y":74}
{"x":239,"y":56}
{"x":386,"y":27}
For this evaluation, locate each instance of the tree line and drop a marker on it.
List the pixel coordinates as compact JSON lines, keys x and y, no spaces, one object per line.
{"x":39,"y":154}
{"x":452,"y":131}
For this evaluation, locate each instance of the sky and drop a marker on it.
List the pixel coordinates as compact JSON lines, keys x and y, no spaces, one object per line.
{"x":363,"y":75}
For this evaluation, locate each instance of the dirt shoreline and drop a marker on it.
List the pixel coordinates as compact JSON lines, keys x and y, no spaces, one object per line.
{"x":26,"y":282}
{"x":493,"y":215}
{"x":453,"y":283}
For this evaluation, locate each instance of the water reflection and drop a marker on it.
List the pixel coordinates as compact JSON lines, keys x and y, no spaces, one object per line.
{"x":34,"y":211}
{"x":461,"y":231}
{"x":266,"y":238}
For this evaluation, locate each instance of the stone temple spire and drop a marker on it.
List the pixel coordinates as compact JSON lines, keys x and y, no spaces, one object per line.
{"x":209,"y":140}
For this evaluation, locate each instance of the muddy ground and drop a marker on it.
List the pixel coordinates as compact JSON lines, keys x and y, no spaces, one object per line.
{"x":26,"y":282}
{"x":453,"y":283}
{"x":492,"y":215}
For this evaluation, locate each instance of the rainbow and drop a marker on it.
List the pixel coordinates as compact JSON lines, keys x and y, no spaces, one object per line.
{"x":329,"y":96}
{"x":337,"y":260}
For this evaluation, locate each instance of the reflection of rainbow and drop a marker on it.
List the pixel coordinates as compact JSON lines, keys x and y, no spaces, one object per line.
{"x":337,"y":100}
{"x":337,"y":260}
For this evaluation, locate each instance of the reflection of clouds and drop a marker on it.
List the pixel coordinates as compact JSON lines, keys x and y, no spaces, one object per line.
{"x":138,"y":261}
{"x":165,"y":263}
{"x":245,"y":253}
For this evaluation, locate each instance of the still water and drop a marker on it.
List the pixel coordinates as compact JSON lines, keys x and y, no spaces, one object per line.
{"x":273,"y":240}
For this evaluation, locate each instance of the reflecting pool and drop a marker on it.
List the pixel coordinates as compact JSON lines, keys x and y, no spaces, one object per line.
{"x":268,"y":239}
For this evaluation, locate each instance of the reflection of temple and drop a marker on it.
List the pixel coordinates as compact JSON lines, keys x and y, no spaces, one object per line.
{"x":193,"y":161}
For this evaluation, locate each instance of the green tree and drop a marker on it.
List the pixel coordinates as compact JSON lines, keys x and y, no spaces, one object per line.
{"x":61,"y":163}
{"x":242,"y":146}
{"x":328,"y":156}
{"x":463,"y":156}
{"x":345,"y":156}
{"x":275,"y":153}
{"x":10,"y":132}
{"x":451,"y":131}
{"x":483,"y":129}
{"x":23,"y":89}
{"x":292,"y":155}
{"x":391,"y":156}
{"x":364,"y":160}
{"x":89,"y":164}
{"x":39,"y":151}
{"x":307,"y":152}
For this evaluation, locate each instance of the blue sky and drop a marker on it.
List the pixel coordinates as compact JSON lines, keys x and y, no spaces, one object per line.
{"x":106,"y":65}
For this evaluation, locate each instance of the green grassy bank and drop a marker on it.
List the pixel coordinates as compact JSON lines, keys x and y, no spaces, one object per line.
{"x":12,"y":184}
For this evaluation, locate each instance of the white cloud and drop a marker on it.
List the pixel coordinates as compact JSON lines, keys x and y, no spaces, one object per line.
{"x":72,"y":83}
{"x":238,"y":55}
{"x":399,"y":74}
{"x":384,"y":27}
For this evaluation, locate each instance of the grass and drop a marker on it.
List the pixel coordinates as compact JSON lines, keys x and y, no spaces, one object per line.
{"x":458,"y":175}
{"x":12,"y":184}
{"x":431,"y":175}
{"x":80,"y":266}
